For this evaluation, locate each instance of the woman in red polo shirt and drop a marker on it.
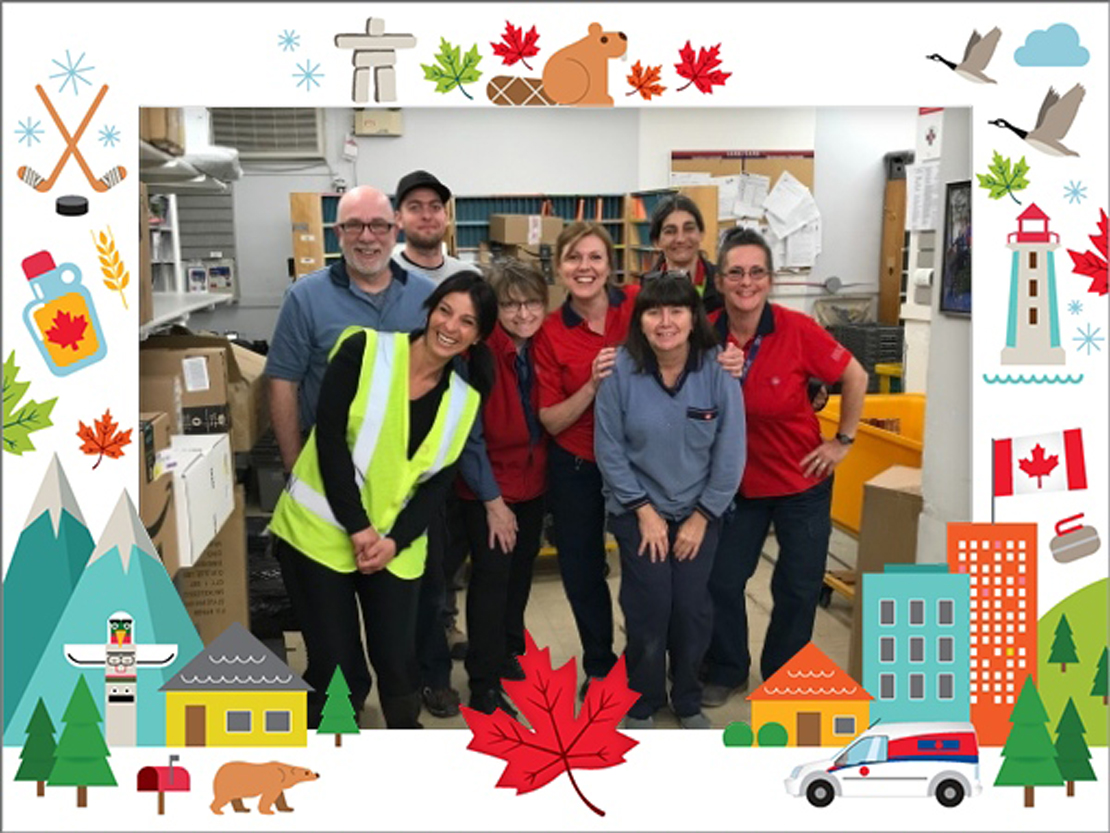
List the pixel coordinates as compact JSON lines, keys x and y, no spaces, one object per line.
{"x":788,"y":477}
{"x":575,"y":350}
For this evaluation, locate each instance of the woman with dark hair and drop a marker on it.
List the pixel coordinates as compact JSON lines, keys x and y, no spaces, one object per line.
{"x":351,"y":526}
{"x":677,"y":230}
{"x":575,"y":350}
{"x":788,"y":479}
{"x":670,"y":444}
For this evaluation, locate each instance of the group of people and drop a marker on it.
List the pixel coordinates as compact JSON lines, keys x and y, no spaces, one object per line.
{"x":425,"y":411}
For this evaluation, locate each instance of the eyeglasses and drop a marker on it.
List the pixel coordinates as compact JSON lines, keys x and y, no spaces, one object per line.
{"x":756,"y":273}
{"x":531,"y":305}
{"x":354,"y":227}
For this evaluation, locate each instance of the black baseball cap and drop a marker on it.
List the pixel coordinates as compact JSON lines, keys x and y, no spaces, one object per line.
{"x":421,"y":179}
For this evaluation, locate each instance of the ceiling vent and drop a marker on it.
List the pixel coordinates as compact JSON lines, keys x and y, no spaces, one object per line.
{"x":270,"y":132}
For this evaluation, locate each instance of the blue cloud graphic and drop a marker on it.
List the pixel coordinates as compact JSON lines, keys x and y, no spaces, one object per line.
{"x":1057,"y":46}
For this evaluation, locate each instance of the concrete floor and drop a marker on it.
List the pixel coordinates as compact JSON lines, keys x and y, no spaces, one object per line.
{"x":549,"y":620}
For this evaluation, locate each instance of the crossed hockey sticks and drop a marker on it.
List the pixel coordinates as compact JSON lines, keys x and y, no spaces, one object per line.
{"x":44,"y":184}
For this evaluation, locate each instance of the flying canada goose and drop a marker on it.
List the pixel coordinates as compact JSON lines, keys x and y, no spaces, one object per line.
{"x":977,"y":55}
{"x":1053,"y":122}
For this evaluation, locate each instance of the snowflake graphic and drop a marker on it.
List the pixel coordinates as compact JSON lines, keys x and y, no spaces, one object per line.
{"x":29,"y":132}
{"x":289,"y":40}
{"x":1075,"y":307}
{"x":109,"y":136}
{"x":1075,"y":192}
{"x":1089,"y":340}
{"x":308,"y":74}
{"x":71,"y":71}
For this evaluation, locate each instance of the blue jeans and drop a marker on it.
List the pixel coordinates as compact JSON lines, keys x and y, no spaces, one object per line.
{"x":802,"y":527}
{"x":578,"y":510}
{"x":667,"y":610}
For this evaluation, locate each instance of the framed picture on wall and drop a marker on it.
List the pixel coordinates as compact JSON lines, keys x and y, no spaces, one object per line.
{"x":955,"y":283}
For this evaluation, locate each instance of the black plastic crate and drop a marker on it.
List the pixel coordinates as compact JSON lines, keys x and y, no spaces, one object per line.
{"x":871,"y":343}
{"x":269,"y":474}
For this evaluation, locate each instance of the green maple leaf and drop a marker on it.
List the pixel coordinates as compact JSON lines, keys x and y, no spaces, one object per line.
{"x":31,"y":416}
{"x":1002,"y":180}
{"x":451,"y":70}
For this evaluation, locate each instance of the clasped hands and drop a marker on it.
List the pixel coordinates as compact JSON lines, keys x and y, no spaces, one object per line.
{"x":372,"y":551}
{"x":653,"y":535}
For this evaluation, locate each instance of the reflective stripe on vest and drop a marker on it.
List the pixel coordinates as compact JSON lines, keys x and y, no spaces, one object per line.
{"x":376,"y":405}
{"x":312,"y":500}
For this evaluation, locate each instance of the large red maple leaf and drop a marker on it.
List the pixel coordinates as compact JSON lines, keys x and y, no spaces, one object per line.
{"x":1089,"y":263}
{"x":516,"y":45}
{"x":1038,"y":465}
{"x":105,"y":440}
{"x":701,"y":68}
{"x":558,"y":740}
{"x":67,"y":331}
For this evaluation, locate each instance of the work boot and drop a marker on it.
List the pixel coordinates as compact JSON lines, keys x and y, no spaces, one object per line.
{"x":401,"y":712}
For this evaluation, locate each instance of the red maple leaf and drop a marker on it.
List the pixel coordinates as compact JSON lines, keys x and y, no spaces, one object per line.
{"x":1089,"y":263}
{"x":1038,"y":465}
{"x":700,"y":69}
{"x":68,"y":331}
{"x":646,"y":83}
{"x":558,"y":741}
{"x":105,"y":440}
{"x":516,"y":45}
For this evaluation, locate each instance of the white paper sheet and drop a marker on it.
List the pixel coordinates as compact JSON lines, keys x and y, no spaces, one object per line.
{"x":803,"y":246}
{"x":923,"y":195}
{"x":751,"y":193}
{"x":680,"y":178}
{"x":727,"y":189}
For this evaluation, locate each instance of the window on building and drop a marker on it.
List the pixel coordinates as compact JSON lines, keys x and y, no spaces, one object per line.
{"x":917,"y":686}
{"x":886,"y":649}
{"x":1032,"y":260}
{"x":917,"y":611}
{"x":886,"y":612}
{"x":278,"y":722}
{"x":1032,"y":289}
{"x":946,"y":646}
{"x":945,"y":686}
{"x":238,"y":721}
{"x":1032,"y":316}
{"x":844,"y":725}
{"x":946,"y":612}
{"x":917,"y":649}
{"x":886,"y":686}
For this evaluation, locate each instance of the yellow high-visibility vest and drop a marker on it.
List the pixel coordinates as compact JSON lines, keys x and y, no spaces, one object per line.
{"x":378,"y":436}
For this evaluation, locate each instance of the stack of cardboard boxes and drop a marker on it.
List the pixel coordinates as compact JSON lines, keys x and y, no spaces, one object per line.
{"x":529,"y":238}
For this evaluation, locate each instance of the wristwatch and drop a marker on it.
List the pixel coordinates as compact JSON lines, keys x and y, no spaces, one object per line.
{"x":844,"y":439}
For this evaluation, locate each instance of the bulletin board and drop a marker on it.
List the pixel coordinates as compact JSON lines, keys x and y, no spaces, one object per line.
{"x":769,"y":163}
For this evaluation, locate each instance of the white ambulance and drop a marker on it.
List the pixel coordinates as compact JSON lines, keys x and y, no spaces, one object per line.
{"x":903,"y":759}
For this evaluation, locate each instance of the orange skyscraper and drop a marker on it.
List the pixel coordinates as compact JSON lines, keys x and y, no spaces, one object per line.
{"x":1001,"y":561}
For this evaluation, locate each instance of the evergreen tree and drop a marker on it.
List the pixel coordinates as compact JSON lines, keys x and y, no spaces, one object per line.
{"x":1029,"y":757}
{"x":1063,"y":646}
{"x":1072,"y":755}
{"x":38,"y":751}
{"x":338,"y":715}
{"x":1098,"y":689}
{"x":81,"y":759}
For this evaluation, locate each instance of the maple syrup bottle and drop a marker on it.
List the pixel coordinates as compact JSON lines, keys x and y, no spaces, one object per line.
{"x":62,"y":318}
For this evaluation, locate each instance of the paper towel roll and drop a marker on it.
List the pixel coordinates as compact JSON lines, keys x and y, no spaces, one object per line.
{"x":922,"y":277}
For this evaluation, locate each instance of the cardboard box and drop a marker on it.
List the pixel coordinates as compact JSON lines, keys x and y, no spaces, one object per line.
{"x":146,"y":271}
{"x":888,"y":535}
{"x":155,"y":431}
{"x":158,"y":512}
{"x":524,"y":229}
{"x":203,"y":479}
{"x":249,"y":397}
{"x":163,"y":127}
{"x":215,"y":589}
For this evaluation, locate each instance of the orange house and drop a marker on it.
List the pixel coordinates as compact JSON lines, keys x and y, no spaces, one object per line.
{"x":814,"y":699}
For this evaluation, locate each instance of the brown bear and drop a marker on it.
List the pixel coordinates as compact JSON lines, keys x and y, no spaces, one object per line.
{"x":237,"y":780}
{"x":579,"y":73}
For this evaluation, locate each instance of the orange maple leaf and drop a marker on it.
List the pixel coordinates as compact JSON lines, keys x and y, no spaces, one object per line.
{"x":645,"y":83}
{"x":105,"y":440}
{"x":68,"y":331}
{"x":1038,"y":465}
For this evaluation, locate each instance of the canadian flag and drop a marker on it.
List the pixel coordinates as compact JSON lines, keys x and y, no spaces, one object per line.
{"x":1042,"y":463}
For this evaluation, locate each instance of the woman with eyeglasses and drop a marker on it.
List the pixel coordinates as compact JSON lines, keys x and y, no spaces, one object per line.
{"x":677,"y":230}
{"x":670,"y":444}
{"x":504,"y":533}
{"x":788,"y":478}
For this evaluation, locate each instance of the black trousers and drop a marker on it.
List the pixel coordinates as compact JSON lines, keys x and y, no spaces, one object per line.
{"x":497,"y":595}
{"x":326,"y":604}
{"x":432,"y":651}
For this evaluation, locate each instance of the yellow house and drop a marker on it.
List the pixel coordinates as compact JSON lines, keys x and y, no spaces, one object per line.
{"x":814,"y":699}
{"x":236,"y":692}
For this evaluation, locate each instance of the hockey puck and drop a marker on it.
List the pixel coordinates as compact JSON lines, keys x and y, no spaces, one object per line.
{"x":71,"y":206}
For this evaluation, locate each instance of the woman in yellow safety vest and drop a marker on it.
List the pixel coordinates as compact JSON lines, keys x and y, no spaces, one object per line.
{"x":351,"y":526}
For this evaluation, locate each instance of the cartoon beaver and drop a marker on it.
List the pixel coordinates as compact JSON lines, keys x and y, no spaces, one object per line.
{"x":237,"y":780}
{"x":578,"y":74}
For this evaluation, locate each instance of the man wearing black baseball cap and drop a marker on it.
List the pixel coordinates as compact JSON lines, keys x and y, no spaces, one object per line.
{"x":421,"y":202}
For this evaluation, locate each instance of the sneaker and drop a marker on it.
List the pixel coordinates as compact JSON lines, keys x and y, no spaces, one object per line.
{"x":511,"y":670}
{"x":440,"y":702}
{"x":713,"y":695}
{"x":457,"y":642}
{"x":489,"y":701}
{"x":695,"y":721}
{"x":638,"y":722}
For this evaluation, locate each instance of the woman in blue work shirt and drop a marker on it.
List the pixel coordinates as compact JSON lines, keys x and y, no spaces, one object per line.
{"x":670,"y":443}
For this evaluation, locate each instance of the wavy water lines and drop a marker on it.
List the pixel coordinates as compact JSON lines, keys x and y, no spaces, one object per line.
{"x":1032,"y":379}
{"x":236,"y":659}
{"x":807,"y":674}
{"x":236,"y":680}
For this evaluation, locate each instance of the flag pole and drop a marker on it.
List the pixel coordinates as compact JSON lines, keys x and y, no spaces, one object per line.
{"x":993,"y":441}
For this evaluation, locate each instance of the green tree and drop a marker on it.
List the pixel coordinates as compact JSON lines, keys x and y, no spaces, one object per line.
{"x":1029,"y":758}
{"x":81,"y":759}
{"x":338,"y":715}
{"x":738,"y":733}
{"x":38,"y":751}
{"x":772,"y":734}
{"x":1072,"y":755}
{"x":1098,"y":689}
{"x":1063,"y":646}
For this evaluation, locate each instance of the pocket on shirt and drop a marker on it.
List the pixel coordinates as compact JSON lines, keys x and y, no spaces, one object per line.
{"x":701,"y":427}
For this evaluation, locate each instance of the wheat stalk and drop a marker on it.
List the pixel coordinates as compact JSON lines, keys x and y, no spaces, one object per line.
{"x":116,"y":277}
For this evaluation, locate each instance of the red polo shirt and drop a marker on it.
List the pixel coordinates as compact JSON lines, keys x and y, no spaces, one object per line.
{"x":565,"y":349}
{"x":782,"y":427}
